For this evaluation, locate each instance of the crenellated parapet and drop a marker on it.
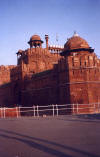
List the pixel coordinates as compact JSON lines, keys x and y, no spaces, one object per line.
{"x":5,"y":72}
{"x":35,"y":60}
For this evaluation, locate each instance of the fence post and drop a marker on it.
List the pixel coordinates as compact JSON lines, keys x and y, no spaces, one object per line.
{"x":73,"y":108}
{"x":1,"y":112}
{"x":37,"y":111}
{"x":34,"y":110}
{"x":57,"y":109}
{"x":53,"y":110}
{"x":77,"y":108}
{"x":4,"y":110}
{"x":94,"y":108}
{"x":98,"y":107}
{"x":17,"y":112}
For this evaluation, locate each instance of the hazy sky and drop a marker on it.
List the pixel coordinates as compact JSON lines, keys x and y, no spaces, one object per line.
{"x":20,"y":19}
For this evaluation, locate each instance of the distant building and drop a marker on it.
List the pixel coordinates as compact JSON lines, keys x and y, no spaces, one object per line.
{"x":52,"y":75}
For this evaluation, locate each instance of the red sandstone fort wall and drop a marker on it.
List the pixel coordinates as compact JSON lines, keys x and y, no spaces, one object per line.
{"x":43,"y":78}
{"x":41,"y":89}
{"x":38,"y":60}
{"x":84,"y":79}
{"x":74,"y":79}
{"x":71,"y":75}
{"x":5,"y":95}
{"x":5,"y":74}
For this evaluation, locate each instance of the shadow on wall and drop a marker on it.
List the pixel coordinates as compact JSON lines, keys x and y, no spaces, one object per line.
{"x":45,"y":88}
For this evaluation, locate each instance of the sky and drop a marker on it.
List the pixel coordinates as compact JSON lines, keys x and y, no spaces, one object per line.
{"x":20,"y":19}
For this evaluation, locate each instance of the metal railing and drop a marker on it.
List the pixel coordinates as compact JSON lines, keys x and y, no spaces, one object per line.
{"x":52,"y":110}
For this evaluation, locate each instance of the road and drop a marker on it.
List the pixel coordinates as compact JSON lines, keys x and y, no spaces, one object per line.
{"x":63,"y":136}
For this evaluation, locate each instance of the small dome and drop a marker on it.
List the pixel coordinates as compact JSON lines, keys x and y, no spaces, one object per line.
{"x":75,"y":42}
{"x":35,"y":37}
{"x":35,"y":41}
{"x":20,"y":51}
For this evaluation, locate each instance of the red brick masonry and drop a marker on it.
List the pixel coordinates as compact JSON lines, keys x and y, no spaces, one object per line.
{"x":45,"y":76}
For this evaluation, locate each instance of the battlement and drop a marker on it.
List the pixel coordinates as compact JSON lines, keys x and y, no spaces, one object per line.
{"x":83,"y":61}
{"x":5,"y":73}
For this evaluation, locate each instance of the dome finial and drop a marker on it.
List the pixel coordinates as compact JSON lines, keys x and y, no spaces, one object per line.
{"x":75,"y":34}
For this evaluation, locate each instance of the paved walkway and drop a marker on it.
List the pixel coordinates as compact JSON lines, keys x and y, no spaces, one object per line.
{"x":63,"y":136}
